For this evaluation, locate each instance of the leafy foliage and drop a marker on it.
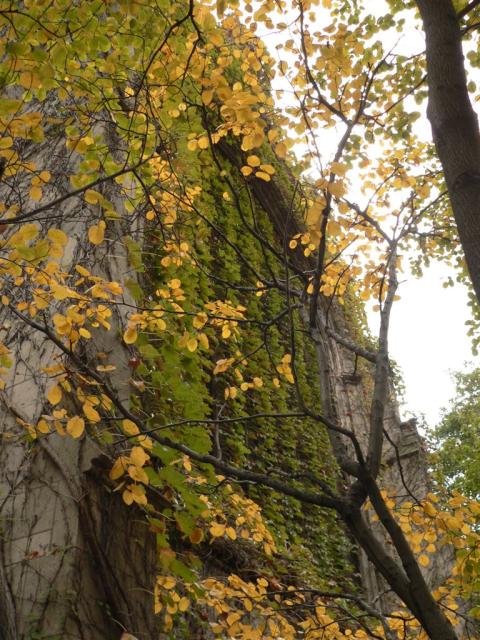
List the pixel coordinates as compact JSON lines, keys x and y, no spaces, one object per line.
{"x":181,"y":164}
{"x":455,"y":440}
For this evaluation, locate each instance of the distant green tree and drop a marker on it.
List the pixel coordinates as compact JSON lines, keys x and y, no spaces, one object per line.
{"x":456,"y":440}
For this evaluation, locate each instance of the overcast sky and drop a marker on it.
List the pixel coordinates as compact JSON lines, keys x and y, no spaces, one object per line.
{"x":428,"y":339}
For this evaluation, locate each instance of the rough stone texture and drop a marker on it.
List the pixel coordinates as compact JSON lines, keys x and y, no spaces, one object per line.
{"x":75,"y":562}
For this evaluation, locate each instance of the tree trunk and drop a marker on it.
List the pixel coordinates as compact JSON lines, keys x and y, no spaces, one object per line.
{"x":454,"y":124}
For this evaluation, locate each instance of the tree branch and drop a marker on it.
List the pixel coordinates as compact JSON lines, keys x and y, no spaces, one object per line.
{"x":467,"y":9}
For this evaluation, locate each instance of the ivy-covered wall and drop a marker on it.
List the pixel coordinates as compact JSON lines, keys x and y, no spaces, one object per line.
{"x":178,"y":384}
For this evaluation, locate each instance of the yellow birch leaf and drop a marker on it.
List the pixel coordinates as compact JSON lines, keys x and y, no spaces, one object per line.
{"x":35,"y":193}
{"x":58,"y":236}
{"x":192,"y":344}
{"x":424,"y":560}
{"x":137,"y":474}
{"x":281,"y":150}
{"x":43,"y":427}
{"x":96,"y":233}
{"x":337,"y":189}
{"x":118,"y":469}
{"x":217,"y":530}
{"x":339,"y":168}
{"x":54,"y":395}
{"x":231,"y":533}
{"x":130,"y":428}
{"x":268,"y":168}
{"x":91,"y":196}
{"x":106,"y":368}
{"x":430,"y":509}
{"x":207,"y":96}
{"x":167,"y":582}
{"x":203,"y":339}
{"x":130,"y":336}
{"x":90,"y":412}
{"x":183,"y":604}
{"x":6,"y":143}
{"x":253,"y":161}
{"x":127,"y":497}
{"x":138,"y":456}
{"x":75,"y":426}
{"x":81,"y":270}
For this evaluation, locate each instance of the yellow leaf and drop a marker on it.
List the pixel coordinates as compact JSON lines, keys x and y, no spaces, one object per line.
{"x":339,"y":168}
{"x":43,"y":427}
{"x":203,"y":339}
{"x":130,"y":428}
{"x":207,"y":96}
{"x":217,"y":530}
{"x":337,"y":189}
{"x":60,"y":293}
{"x":75,"y":426}
{"x":106,"y":368}
{"x":192,"y":344}
{"x":58,"y":236}
{"x":54,"y":395}
{"x":81,"y":270}
{"x":263,"y":176}
{"x":127,"y":497}
{"x":231,"y":533}
{"x":203,"y":142}
{"x":430,"y":509}
{"x":268,"y":168}
{"x":90,"y":412}
{"x":138,"y":456}
{"x":36,"y":193}
{"x":281,"y":150}
{"x":130,"y":336}
{"x":166,"y":582}
{"x":233,"y":617}
{"x":246,"y":171}
{"x":96,"y":234}
{"x":137,"y":474}
{"x":424,"y":560}
{"x":253,"y":161}
{"x":6,"y":143}
{"x":92,"y":197}
{"x":183,"y":604}
{"x":118,"y":469}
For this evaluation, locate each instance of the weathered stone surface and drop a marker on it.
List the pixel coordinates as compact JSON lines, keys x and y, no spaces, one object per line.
{"x":75,"y":562}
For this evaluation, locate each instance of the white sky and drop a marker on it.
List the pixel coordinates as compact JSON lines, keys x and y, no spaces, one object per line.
{"x":428,"y":339}
{"x":428,"y":336}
